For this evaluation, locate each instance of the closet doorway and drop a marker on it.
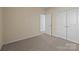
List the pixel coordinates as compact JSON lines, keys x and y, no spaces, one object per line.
{"x":67,"y":24}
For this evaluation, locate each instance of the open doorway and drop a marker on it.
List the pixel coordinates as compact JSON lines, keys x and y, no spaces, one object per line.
{"x":45,"y":24}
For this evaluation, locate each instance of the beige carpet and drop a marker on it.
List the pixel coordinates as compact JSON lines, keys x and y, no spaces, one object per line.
{"x":42,"y":42}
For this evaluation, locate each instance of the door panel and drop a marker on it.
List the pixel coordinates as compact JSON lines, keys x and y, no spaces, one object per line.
{"x":61,"y":25}
{"x":48,"y":24}
{"x":72,"y":25}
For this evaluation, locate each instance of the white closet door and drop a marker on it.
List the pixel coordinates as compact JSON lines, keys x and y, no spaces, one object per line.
{"x":48,"y":24}
{"x":72,"y":25}
{"x":61,"y":24}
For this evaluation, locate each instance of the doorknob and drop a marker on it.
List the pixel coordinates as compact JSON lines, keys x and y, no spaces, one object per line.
{"x":66,"y":26}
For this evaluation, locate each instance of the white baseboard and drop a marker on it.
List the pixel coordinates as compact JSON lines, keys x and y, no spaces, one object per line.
{"x":22,"y":38}
{"x":58,"y":36}
{"x":76,"y":42}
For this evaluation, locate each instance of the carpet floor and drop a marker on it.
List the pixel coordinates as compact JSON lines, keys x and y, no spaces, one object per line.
{"x":42,"y":42}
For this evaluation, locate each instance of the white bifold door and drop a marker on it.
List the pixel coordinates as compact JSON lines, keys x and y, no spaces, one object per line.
{"x":60,"y":27}
{"x":67,"y":24}
{"x":72,"y":25}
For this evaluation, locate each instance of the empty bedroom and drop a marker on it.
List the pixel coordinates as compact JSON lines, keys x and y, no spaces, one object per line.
{"x":39,"y":28}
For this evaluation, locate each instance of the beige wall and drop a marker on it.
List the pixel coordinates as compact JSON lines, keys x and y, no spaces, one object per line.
{"x":20,"y":23}
{"x":1,"y":28}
